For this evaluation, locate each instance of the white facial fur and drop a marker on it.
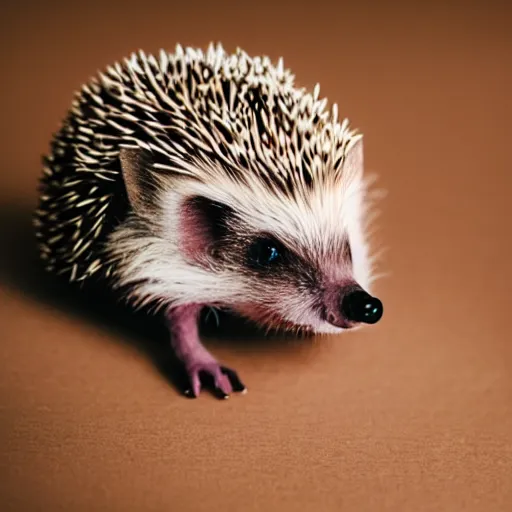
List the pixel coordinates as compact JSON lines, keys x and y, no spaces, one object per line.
{"x":311,"y":225}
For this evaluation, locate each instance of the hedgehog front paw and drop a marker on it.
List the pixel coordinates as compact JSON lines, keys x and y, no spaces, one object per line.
{"x":210,"y":373}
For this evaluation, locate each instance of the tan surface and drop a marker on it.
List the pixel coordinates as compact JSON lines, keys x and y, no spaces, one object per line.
{"x":414,"y":414}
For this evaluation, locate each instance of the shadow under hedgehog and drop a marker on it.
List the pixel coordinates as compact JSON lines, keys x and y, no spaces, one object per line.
{"x":206,"y":179}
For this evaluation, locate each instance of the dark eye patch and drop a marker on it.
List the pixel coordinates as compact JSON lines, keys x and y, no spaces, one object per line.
{"x":205,"y":224}
{"x":275,"y":262}
{"x":265,"y":253}
{"x":213,"y":215}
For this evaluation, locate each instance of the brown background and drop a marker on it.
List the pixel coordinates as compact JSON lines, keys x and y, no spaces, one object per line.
{"x":414,"y":414}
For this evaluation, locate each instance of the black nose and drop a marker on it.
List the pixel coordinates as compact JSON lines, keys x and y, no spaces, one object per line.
{"x":359,"y":306}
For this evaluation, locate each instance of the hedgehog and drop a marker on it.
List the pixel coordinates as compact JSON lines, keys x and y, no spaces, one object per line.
{"x":203,"y":179}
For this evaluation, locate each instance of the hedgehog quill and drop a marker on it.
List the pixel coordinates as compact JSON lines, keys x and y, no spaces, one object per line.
{"x":199,"y":179}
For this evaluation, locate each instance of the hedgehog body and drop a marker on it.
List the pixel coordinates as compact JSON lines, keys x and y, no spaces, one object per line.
{"x":207,"y":178}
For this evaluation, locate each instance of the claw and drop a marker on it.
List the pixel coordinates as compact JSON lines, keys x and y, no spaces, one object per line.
{"x":222,"y":380}
{"x":237,"y":385}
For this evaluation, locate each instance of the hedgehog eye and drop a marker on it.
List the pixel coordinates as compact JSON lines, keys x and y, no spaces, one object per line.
{"x":265,"y":252}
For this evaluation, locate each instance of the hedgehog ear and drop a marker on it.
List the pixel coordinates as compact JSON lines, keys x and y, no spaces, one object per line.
{"x":139,"y":181}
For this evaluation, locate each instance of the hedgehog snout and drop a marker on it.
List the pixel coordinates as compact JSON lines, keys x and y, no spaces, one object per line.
{"x":359,"y":306}
{"x":349,"y":306}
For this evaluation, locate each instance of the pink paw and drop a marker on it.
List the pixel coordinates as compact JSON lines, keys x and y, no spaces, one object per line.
{"x":223,"y":380}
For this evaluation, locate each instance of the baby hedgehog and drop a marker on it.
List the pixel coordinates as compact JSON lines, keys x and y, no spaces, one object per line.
{"x":206,"y":179}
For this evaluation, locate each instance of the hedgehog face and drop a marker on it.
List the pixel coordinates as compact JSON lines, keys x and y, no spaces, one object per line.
{"x":286,"y":261}
{"x":296,"y":264}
